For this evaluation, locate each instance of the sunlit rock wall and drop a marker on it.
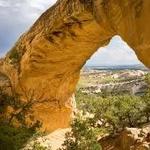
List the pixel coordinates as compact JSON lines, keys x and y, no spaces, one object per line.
{"x":45,"y":62}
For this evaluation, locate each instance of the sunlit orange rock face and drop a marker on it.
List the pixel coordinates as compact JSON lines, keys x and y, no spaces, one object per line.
{"x":45,"y":62}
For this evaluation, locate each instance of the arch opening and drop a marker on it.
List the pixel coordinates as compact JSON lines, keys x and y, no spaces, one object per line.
{"x":111,"y":68}
{"x":117,"y":52}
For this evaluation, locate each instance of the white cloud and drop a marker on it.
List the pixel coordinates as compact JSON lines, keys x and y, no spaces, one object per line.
{"x":23,"y":9}
{"x":4,"y":3}
{"x":116,"y":53}
{"x":16,"y":16}
{"x":41,"y":4}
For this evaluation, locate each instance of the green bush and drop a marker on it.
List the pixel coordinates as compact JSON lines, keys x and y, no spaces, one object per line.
{"x":146,"y":103}
{"x":14,"y":56}
{"x":14,"y":138}
{"x":38,"y":146}
{"x":82,"y":136}
{"x":117,"y":111}
{"x":147,"y":78}
{"x":122,"y":111}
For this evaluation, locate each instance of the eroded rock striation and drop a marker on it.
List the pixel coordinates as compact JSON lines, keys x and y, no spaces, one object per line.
{"x":45,"y":62}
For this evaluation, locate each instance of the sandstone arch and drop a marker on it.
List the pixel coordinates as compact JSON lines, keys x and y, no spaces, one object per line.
{"x":47,"y":59}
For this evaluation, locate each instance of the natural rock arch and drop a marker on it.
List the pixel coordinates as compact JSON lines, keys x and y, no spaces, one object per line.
{"x":47,"y":59}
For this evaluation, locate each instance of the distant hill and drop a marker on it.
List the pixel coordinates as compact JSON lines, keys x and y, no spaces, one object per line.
{"x":117,"y":67}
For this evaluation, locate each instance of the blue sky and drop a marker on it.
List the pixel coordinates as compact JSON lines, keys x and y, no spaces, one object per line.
{"x":16,"y":16}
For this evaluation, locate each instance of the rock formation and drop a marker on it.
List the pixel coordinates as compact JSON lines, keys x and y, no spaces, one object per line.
{"x":46,"y":60}
{"x":129,"y":139}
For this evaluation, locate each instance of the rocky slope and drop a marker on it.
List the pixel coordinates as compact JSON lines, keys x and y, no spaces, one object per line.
{"x":51,"y":141}
{"x":129,"y":139}
{"x":46,"y":60}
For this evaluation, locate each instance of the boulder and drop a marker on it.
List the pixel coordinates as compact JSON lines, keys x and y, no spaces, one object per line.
{"x":129,"y":139}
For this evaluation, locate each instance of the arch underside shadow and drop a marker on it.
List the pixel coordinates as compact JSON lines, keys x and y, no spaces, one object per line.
{"x":47,"y":59}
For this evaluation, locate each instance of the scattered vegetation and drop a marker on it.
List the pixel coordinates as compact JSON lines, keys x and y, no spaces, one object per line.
{"x":147,"y":78}
{"x":100,"y":115}
{"x":12,"y":138}
{"x":97,"y":115}
{"x":14,"y":130}
{"x":97,"y":78}
{"x":14,"y":56}
{"x":38,"y":146}
{"x":14,"y":111}
{"x":82,"y":137}
{"x":119,"y":111}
